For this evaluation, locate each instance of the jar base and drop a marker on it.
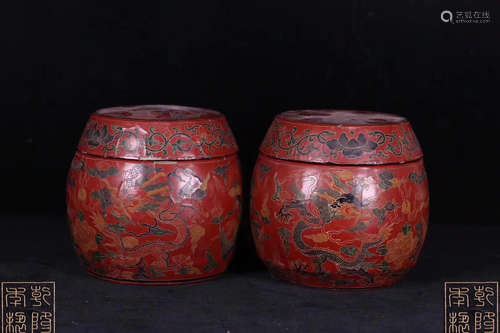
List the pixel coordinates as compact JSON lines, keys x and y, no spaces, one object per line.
{"x":154,"y":283}
{"x":331,"y":284}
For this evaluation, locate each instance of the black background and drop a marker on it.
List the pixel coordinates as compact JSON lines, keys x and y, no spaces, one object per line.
{"x":62,"y":60}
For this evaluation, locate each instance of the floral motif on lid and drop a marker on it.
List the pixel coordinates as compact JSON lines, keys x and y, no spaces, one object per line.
{"x":341,"y":137}
{"x":158,"y":132}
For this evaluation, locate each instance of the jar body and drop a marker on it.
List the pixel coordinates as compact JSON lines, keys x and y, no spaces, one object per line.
{"x":339,"y":226}
{"x":154,"y":222}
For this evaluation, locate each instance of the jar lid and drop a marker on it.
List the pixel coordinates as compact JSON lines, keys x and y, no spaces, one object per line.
{"x":157,"y":132}
{"x":341,"y":137}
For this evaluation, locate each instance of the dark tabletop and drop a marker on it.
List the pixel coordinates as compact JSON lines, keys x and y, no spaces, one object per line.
{"x":246,"y":299}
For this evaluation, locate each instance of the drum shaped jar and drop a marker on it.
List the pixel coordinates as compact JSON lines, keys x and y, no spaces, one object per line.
{"x":154,"y":194}
{"x":339,"y":198}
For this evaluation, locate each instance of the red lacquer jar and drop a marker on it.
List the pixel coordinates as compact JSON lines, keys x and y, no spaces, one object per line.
{"x":154,"y":194}
{"x":339,"y":198}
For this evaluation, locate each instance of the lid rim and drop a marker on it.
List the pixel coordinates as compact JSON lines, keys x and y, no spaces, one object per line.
{"x":341,"y":117}
{"x":342,"y":125}
{"x":125,"y":159}
{"x":214,"y":113}
{"x":328,"y":163}
{"x":421,"y":158}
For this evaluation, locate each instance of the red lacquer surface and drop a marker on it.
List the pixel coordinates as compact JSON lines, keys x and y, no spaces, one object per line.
{"x":335,"y":225}
{"x":341,"y":137}
{"x":158,"y":132}
{"x":155,"y":221}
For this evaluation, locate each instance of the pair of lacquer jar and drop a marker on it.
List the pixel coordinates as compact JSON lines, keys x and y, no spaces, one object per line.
{"x":339,"y":199}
